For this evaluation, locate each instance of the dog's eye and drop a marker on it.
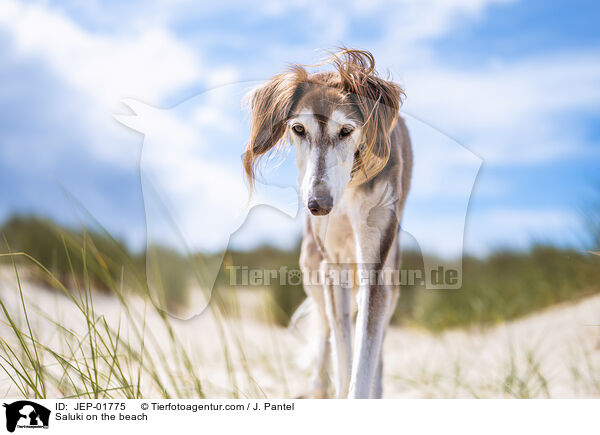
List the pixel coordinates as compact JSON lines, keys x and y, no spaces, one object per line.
{"x":346,"y":131}
{"x":298,"y":129}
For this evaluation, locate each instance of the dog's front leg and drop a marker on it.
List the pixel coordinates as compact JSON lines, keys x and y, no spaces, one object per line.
{"x":338,"y":305}
{"x":377,"y":389}
{"x":373,"y":300}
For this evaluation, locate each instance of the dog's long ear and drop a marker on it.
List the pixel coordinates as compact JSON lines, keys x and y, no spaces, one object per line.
{"x":270,"y":106}
{"x":378,"y":101}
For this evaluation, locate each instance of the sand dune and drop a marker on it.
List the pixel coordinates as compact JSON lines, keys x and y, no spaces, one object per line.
{"x":549,"y":354}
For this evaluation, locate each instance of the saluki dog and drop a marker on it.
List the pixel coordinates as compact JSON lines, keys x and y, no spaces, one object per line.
{"x":354,"y":159}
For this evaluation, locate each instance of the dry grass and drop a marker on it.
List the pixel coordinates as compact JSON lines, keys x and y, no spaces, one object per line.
{"x":84,"y":344}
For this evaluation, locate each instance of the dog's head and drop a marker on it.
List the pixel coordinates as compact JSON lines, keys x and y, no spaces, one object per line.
{"x":339,"y":121}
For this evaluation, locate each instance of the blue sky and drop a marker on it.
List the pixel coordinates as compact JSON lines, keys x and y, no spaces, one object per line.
{"x":515,"y":85}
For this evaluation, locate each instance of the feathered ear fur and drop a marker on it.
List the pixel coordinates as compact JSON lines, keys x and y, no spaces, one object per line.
{"x":378,"y":101}
{"x":270,"y":106}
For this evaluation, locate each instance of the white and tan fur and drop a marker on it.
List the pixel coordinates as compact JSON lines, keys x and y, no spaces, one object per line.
{"x":354,"y":160}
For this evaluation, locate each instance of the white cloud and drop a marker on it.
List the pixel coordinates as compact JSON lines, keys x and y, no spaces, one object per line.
{"x":107,"y":67}
{"x":191,"y":171}
{"x":517,"y":228}
{"x":101,"y":69}
{"x":510,"y":113}
{"x":442,"y":165}
{"x":490,"y":229}
{"x":409,"y":24}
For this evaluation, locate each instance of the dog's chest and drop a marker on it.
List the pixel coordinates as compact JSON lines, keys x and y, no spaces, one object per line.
{"x":336,"y":235}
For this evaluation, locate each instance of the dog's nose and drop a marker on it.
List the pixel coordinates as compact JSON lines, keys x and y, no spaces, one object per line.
{"x":320,"y":206}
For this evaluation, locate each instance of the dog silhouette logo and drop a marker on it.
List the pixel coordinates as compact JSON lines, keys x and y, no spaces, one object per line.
{"x":26,"y":414}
